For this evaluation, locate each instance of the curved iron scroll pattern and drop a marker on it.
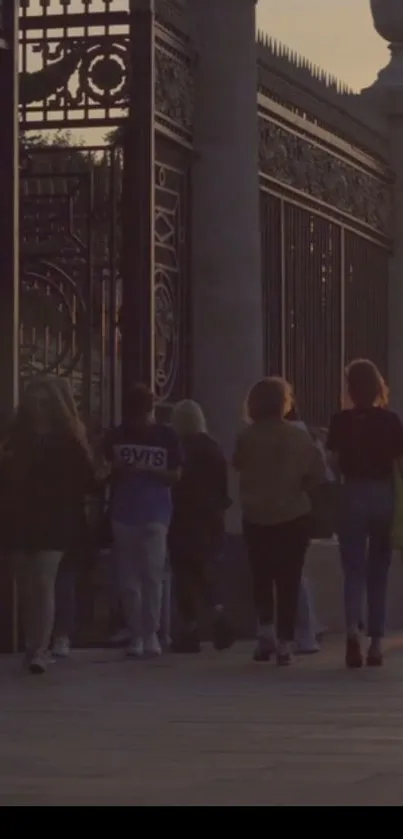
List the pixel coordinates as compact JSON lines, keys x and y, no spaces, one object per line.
{"x":78,"y":76}
{"x":294,"y":161}
{"x":174,"y":89}
{"x":170,"y":289}
{"x":69,"y":280}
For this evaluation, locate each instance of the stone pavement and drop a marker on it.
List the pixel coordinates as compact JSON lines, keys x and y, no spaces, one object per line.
{"x":208,"y":730}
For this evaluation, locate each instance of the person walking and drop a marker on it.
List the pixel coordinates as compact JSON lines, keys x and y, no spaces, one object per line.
{"x":46,"y":471}
{"x":366,"y":442}
{"x":146,"y":461}
{"x":278,"y":464}
{"x":197,"y":531}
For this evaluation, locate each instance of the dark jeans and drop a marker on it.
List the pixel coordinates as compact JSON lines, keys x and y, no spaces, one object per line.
{"x":365,"y":549}
{"x":65,"y":599}
{"x":276,"y":556}
{"x":196,"y":579}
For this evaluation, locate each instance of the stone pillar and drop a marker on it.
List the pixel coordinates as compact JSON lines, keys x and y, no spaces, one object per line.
{"x":137,"y":316}
{"x":9,"y":278}
{"x":226,"y":272}
{"x":387,"y":95}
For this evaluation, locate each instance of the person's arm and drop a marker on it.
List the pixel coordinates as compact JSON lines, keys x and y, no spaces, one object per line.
{"x":396,"y":436}
{"x":237,"y":454}
{"x":333,"y":444}
{"x":83,"y":468}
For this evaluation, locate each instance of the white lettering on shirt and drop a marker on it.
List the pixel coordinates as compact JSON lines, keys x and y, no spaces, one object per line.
{"x":152,"y":457}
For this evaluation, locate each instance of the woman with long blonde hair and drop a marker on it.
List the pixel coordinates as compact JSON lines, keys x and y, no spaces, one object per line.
{"x":46,"y":470}
{"x":365,"y":440}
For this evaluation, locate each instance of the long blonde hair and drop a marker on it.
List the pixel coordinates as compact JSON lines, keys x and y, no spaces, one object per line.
{"x":64,"y":409}
{"x":188,"y":418}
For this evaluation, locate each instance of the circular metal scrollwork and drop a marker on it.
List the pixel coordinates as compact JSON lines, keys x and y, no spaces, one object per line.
{"x":166,"y":337}
{"x":53,"y":320}
{"x":103,"y":74}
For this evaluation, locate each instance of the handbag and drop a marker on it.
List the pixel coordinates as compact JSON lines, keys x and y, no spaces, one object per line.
{"x":397,"y":526}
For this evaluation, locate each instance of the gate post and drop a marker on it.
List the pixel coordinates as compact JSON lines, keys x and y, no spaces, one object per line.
{"x":387,"y":94}
{"x":9,"y":279}
{"x":137,"y":321}
{"x":227,"y":344}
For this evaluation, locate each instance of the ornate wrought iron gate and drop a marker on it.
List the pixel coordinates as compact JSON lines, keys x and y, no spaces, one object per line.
{"x":325,"y":251}
{"x":90,"y":212}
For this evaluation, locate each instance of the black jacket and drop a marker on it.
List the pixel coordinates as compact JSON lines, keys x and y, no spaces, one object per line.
{"x":200,"y":499}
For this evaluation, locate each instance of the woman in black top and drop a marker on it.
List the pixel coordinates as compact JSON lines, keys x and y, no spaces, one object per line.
{"x":366,"y":441}
{"x":46,"y":471}
{"x":196,"y":534}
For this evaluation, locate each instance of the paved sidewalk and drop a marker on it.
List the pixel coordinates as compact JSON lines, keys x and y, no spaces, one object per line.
{"x":210,"y":730}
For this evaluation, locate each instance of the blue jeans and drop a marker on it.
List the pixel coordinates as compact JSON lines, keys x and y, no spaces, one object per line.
{"x":365,"y":549}
{"x":65,"y":599}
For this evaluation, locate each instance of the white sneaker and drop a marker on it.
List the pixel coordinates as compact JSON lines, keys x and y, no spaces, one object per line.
{"x":37,"y":665}
{"x":61,"y":647}
{"x":136,"y":648}
{"x":121,"y":637}
{"x":152,"y":646}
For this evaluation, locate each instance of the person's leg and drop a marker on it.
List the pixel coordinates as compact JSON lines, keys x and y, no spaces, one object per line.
{"x":353,"y":539}
{"x":127,"y":547}
{"x":119,"y":632}
{"x":164,"y":632}
{"x":259,"y":547}
{"x":223,"y":631}
{"x":45,"y":565}
{"x":65,"y":607}
{"x":188,"y":586}
{"x":306,"y":624}
{"x":290,"y":543}
{"x":28,"y":591}
{"x":379,"y":559}
{"x":153,"y":557}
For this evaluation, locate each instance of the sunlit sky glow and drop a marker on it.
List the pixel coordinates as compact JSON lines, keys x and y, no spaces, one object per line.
{"x":337,"y":35}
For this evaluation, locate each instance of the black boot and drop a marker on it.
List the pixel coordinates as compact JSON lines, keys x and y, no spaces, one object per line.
{"x":187,"y":642}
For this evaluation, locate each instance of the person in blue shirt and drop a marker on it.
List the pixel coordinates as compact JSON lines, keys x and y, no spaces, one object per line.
{"x":146,"y":460}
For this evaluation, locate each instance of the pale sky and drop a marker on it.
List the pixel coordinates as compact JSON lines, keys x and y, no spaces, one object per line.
{"x":337,"y":35}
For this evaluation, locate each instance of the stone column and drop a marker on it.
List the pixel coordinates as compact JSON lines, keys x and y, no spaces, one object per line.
{"x":226,"y":272}
{"x":387,"y":95}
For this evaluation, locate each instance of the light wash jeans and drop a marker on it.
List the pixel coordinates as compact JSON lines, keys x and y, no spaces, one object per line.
{"x":365,"y":549}
{"x":65,"y":600}
{"x":307,"y":626}
{"x":139,"y":552}
{"x":37,"y":579}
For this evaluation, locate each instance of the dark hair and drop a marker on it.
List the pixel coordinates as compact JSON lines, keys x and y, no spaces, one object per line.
{"x":365,"y":385}
{"x":141,"y":402}
{"x":270,"y":398}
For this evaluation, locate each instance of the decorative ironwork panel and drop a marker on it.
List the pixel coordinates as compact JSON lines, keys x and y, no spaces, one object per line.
{"x":171,"y":282}
{"x":69,"y":280}
{"x":174,"y":84}
{"x":313,"y":312}
{"x":366,"y":301}
{"x":271,"y":243}
{"x":295,"y":162}
{"x":74,"y":62}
